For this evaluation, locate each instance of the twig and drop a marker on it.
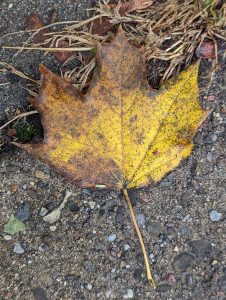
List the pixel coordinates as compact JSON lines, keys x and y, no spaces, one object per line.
{"x":148,"y":270}
{"x":49,"y":49}
{"x":32,"y":112}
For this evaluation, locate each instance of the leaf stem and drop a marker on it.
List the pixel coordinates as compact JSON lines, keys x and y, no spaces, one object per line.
{"x":147,"y":265}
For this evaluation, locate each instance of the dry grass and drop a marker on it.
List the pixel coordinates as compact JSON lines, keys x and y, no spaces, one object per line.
{"x":170,"y":31}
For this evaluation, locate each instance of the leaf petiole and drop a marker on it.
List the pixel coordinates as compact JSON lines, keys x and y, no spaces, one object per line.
{"x":146,"y":261}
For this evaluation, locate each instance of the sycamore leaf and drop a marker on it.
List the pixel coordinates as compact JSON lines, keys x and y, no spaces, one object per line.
{"x":118,"y":135}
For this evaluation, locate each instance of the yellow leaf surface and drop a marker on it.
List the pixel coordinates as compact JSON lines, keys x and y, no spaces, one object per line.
{"x":118,"y":135}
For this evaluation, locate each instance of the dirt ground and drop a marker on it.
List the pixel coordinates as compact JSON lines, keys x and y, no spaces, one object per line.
{"x":92,"y":251}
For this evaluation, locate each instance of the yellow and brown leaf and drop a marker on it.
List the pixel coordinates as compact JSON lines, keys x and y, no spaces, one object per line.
{"x":117,"y":135}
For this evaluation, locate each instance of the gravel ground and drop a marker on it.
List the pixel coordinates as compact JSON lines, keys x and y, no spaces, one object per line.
{"x":92,"y":251}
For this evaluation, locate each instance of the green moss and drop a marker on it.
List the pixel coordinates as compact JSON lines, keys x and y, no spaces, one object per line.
{"x":25,"y":131}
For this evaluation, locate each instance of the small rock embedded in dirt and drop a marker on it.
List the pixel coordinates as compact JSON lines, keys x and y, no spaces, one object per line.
{"x":120,"y":215}
{"x":18,"y":248}
{"x":129,"y":294}
{"x":215,"y":216}
{"x":189,"y":280}
{"x":92,"y":204}
{"x":201,"y":248}
{"x":209,"y":157}
{"x":182,"y":261}
{"x":222,"y":283}
{"x":89,"y":286}
{"x":126,"y":247}
{"x":39,"y":294}
{"x":24,"y":213}
{"x":53,"y":228}
{"x":41,"y":175}
{"x":43,"y":247}
{"x":163,"y":288}
{"x":141,"y":220}
{"x":14,"y":226}
{"x":155,"y":228}
{"x":171,"y":279}
{"x":43,"y":211}
{"x":137,"y":275}
{"x":7,"y":237}
{"x":112,"y":237}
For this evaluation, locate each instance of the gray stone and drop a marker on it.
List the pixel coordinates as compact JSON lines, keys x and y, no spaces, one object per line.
{"x":222,"y":283}
{"x":39,"y":294}
{"x":129,"y":294}
{"x":201,"y":248}
{"x":183,"y":261}
{"x":18,"y":248}
{"x":43,"y":211}
{"x":163,"y":288}
{"x":209,"y":157}
{"x":43,"y":247}
{"x":24,"y":213}
{"x":215,"y":216}
{"x":112,"y":237}
{"x":141,"y":220}
{"x":155,"y":228}
{"x":189,"y":280}
{"x":89,"y":286}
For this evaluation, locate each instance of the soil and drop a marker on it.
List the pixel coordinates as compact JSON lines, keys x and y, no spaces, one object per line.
{"x":92,"y":251}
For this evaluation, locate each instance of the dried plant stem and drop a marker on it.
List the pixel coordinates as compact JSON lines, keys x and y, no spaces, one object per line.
{"x":50,"y":49}
{"x":148,"y":270}
{"x":32,"y":112}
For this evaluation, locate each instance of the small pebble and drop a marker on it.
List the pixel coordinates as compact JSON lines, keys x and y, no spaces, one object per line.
{"x":176,"y":249}
{"x":24,"y":213}
{"x":108,"y":294}
{"x":209,"y":157}
{"x":129,"y":294}
{"x":214,"y":137}
{"x":43,"y":211}
{"x":189,"y":280}
{"x":18,"y":249}
{"x":92,"y":204}
{"x":10,"y":5}
{"x":89,"y":286}
{"x":183,"y":261}
{"x":112,"y":237}
{"x":126,"y":247}
{"x":53,"y":228}
{"x":151,"y":256}
{"x":41,"y":175}
{"x":141,"y":220}
{"x":215,"y":216}
{"x":43,"y":247}
{"x":7,"y":237}
{"x":163,"y":288}
{"x":214,"y":262}
{"x":187,"y":218}
{"x":171,"y":279}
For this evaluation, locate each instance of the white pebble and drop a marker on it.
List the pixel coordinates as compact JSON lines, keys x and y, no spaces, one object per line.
{"x":215,"y":216}
{"x":112,"y":237}
{"x":7,"y":237}
{"x":89,"y":286}
{"x":52,"y":228}
{"x":92,"y":204}
{"x":129,"y":294}
{"x":126,"y":247}
{"x":18,"y":249}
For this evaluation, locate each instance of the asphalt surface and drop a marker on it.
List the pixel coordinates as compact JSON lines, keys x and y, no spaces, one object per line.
{"x":92,"y":251}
